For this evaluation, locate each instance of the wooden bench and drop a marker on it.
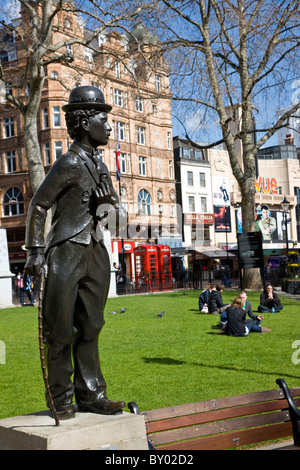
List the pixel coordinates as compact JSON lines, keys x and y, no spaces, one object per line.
{"x":225,"y":423}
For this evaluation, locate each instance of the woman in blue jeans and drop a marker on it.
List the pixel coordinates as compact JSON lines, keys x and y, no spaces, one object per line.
{"x":236,"y":317}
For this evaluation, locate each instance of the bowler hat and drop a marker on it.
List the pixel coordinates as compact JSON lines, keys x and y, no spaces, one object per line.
{"x":87,"y":97}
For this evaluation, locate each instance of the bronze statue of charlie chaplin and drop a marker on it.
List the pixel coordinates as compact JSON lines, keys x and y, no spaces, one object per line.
{"x":75,"y":258}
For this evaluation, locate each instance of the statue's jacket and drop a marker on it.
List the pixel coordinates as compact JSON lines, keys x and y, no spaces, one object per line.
{"x":70,"y":190}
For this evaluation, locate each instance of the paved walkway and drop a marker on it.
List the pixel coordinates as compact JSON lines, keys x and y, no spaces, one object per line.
{"x":285,"y":294}
{"x":284,"y":445}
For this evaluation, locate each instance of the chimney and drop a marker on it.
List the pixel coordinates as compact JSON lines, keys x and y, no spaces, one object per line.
{"x":289,"y":140}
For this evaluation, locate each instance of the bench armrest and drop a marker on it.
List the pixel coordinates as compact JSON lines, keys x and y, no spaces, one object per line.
{"x":133,"y":408}
{"x":294,"y":412}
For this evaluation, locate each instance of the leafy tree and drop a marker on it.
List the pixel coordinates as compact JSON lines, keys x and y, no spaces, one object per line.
{"x":227,"y":57}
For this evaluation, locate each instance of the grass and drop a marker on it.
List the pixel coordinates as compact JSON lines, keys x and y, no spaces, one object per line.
{"x":158,"y":362}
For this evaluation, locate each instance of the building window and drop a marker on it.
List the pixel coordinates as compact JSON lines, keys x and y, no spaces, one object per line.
{"x":121,"y":130}
{"x":56,"y":116}
{"x":139,"y":104}
{"x":10,"y":161}
{"x":13,"y":203}
{"x":142,"y":166}
{"x":203,"y":204}
{"x":12,"y":56}
{"x":57,"y":150}
{"x":154,"y":110}
{"x":118,"y":98}
{"x":117,"y":69}
{"x":123,"y":162}
{"x":144,"y":202}
{"x":8,"y":88}
{"x":191,"y":204}
{"x":47,"y":154}
{"x":141,"y":135}
{"x":45,"y":118}
{"x":169,"y":141}
{"x":101,"y":39}
{"x":202,"y":180}
{"x":9,"y":129}
{"x":101,"y":154}
{"x":190,"y":178}
{"x":172,"y":211}
{"x":201,"y":234}
{"x":69,"y":49}
{"x":157,"y":82}
{"x":88,"y":55}
{"x":170,"y":169}
{"x":129,"y":164}
{"x":3,"y":57}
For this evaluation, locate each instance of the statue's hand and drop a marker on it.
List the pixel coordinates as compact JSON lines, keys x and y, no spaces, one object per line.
{"x":35,"y":264}
{"x":105,"y":193}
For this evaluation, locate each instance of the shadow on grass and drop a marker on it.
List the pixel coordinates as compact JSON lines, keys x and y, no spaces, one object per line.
{"x":163,"y":360}
{"x":176,"y":362}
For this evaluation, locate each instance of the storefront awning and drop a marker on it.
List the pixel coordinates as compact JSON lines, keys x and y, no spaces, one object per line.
{"x":204,"y":252}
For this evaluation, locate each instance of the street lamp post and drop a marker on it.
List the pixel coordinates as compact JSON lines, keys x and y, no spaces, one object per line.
{"x":285,"y":207}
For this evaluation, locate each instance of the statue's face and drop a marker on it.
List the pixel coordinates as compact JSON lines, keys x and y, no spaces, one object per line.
{"x":99,"y":129}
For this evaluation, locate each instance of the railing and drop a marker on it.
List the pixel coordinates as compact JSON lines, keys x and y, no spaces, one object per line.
{"x":183,"y":280}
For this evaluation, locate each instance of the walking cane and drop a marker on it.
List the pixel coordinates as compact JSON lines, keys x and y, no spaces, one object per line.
{"x":41,"y":346}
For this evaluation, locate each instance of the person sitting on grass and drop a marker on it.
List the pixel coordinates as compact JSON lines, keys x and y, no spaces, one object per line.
{"x":269,"y":301}
{"x":236,"y":317}
{"x":215,"y":303}
{"x":256,"y":319}
{"x":203,"y":299}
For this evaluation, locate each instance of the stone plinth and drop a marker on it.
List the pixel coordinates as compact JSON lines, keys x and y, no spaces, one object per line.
{"x":87,"y":431}
{"x":5,"y":274}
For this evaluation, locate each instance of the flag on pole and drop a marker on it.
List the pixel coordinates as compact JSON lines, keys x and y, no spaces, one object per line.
{"x":118,"y":167}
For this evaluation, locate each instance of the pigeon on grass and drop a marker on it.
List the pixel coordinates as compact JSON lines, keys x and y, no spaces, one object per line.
{"x":161,"y":314}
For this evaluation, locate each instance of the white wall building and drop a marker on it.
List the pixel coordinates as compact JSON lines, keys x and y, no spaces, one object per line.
{"x":194,"y":193}
{"x":293,"y":127}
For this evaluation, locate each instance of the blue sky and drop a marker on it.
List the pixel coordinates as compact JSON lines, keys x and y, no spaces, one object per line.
{"x":198,"y":128}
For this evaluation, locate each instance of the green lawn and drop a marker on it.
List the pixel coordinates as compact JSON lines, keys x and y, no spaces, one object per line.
{"x":158,"y":362}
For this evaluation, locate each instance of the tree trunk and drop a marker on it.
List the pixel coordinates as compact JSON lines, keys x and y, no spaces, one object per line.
{"x":252,"y":276}
{"x":33,"y":151}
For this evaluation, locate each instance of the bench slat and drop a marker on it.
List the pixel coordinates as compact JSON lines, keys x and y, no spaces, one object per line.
{"x":225,"y":422}
{"x":216,"y":415}
{"x":218,"y":427}
{"x":234,"y":439}
{"x":219,"y":403}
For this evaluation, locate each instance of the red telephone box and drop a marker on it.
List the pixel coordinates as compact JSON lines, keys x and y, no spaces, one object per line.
{"x":146,"y":268}
{"x":165,"y":266}
{"x":153,"y":269}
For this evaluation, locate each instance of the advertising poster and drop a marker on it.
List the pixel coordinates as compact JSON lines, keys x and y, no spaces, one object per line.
{"x":270,"y":224}
{"x":222,"y":219}
{"x":221,"y":202}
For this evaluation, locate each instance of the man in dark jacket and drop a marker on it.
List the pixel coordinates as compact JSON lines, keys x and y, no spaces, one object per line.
{"x":269,"y":300}
{"x":75,"y":257}
{"x":215,"y":302}
{"x":255,"y":319}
